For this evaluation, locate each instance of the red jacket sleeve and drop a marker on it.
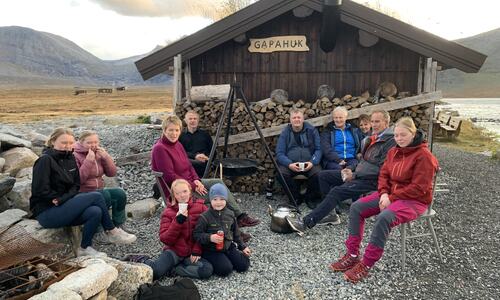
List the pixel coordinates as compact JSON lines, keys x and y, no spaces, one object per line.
{"x":384,"y":177}
{"x":170,"y":230}
{"x":421,"y":182}
{"x":85,"y":167}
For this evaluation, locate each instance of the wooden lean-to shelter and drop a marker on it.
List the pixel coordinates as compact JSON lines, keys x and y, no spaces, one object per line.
{"x":298,"y":45}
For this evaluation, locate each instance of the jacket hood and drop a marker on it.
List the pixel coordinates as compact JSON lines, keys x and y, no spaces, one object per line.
{"x":57,"y":153}
{"x":79,"y":148}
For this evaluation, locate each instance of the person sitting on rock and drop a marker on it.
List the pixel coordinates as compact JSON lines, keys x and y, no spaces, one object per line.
{"x":365,"y":125}
{"x":340,"y":185}
{"x":169,"y":157}
{"x":197,"y":142}
{"x":298,"y":152}
{"x":94,"y":162}
{"x":340,"y":142}
{"x":56,"y":200}
{"x":218,"y":233}
{"x":404,"y":193}
{"x":181,"y":253}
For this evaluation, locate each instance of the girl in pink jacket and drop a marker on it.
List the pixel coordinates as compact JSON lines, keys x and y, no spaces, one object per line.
{"x":94,"y":162}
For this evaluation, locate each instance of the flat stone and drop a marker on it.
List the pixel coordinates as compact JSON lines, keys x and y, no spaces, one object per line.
{"x":11,"y":216}
{"x":6,"y":185}
{"x":17,"y":159}
{"x":88,"y":281}
{"x":130,"y":277}
{"x":4,"y":204}
{"x":102,"y":295}
{"x":46,"y":235}
{"x":57,"y":294}
{"x":142,"y":209}
{"x":8,"y":141}
{"x":20,"y":195}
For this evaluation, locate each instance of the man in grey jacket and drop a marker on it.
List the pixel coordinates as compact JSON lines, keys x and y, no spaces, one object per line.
{"x":350,"y":185}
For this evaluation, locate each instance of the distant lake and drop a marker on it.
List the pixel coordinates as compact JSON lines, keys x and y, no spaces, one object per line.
{"x":484,"y":111}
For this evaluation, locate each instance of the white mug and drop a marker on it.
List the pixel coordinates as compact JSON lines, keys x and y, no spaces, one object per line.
{"x":302,"y":166}
{"x":183,"y":207}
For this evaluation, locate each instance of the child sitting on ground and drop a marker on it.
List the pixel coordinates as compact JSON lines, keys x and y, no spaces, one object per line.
{"x":180,"y":250}
{"x":220,"y":250}
{"x":365,"y":125}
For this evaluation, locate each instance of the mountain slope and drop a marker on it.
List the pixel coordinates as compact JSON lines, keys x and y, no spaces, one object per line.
{"x":485,"y":83}
{"x":30,"y":56}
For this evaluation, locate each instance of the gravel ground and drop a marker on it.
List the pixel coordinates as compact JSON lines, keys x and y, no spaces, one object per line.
{"x":293,"y":267}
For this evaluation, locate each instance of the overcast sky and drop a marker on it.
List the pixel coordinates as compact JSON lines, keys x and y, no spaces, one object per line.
{"x":114,"y":29}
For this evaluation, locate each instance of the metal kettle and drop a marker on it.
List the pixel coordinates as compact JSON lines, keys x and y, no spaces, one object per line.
{"x":278,"y":218}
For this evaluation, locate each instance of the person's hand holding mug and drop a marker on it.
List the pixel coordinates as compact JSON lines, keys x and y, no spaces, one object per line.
{"x":294,"y":167}
{"x":308,"y":166}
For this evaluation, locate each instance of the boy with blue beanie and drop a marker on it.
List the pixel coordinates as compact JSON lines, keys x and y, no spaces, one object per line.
{"x":234,"y":253}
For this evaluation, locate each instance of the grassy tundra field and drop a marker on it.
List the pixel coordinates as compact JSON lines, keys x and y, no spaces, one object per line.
{"x":26,"y":104}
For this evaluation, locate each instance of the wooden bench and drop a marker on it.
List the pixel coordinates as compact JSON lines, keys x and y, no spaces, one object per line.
{"x":452,"y":130}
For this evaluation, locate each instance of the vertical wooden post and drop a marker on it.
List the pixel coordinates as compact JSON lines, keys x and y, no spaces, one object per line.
{"x":177,"y":94}
{"x":434,"y":75}
{"x":420,"y":74}
{"x":427,"y":75}
{"x":187,"y":79}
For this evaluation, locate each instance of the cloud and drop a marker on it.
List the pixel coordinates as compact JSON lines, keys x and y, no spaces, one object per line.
{"x":162,"y":8}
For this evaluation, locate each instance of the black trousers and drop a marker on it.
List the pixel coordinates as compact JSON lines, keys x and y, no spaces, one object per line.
{"x":227,"y":261}
{"x":312,"y":183}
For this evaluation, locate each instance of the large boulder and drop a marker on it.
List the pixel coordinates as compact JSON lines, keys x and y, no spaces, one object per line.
{"x":60,"y":293}
{"x":2,"y":163}
{"x":25,"y":173}
{"x":142,"y":209}
{"x":46,"y":235}
{"x":37,"y":139}
{"x":11,"y":216}
{"x":9,"y":141}
{"x":17,"y":159}
{"x":89,"y":281}
{"x":20,"y":195}
{"x":6,"y":185}
{"x":4,"y":204}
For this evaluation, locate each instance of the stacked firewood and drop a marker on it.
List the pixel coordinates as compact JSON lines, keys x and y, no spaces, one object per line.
{"x":269,"y":114}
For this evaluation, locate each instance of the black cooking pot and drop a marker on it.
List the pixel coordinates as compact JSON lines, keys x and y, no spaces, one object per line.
{"x":238,"y":166}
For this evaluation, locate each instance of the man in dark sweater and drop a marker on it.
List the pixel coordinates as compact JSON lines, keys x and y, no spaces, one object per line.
{"x":197,"y":142}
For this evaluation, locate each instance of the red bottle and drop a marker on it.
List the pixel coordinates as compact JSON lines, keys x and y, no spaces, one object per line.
{"x":220,"y":246}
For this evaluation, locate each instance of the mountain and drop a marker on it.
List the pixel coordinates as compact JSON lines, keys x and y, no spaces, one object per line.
{"x":33,"y":57}
{"x":485,"y":83}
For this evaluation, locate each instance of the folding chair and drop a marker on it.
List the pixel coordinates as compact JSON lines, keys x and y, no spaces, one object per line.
{"x":427,"y":217}
{"x":159,"y":181}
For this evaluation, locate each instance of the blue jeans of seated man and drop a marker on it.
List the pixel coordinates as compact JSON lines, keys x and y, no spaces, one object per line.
{"x":336,"y":192}
{"x":88,"y":209}
{"x":168,"y":259}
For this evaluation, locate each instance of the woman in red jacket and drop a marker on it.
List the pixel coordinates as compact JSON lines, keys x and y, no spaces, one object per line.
{"x":176,"y":233}
{"x":404,"y":193}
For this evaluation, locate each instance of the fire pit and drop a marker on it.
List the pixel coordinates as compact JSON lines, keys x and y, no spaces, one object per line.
{"x":27,"y":266}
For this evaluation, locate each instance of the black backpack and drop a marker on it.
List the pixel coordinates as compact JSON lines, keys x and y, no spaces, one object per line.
{"x":183,"y":289}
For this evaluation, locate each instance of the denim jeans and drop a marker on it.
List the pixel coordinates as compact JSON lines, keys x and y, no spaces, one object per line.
{"x":168,"y":259}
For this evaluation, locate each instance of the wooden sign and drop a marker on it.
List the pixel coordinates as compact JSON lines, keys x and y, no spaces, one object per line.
{"x":279,"y":43}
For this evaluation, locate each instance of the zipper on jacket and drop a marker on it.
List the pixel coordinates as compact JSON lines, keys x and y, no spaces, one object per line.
{"x":345,"y":143}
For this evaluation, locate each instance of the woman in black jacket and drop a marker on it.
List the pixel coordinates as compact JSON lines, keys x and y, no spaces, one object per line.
{"x":55,"y":201}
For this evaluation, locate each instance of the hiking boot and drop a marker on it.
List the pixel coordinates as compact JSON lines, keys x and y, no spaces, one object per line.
{"x":89,"y":251}
{"x":345,"y":263}
{"x":330,"y":219}
{"x":101,"y":238}
{"x":356,"y":273}
{"x":246,"y":221}
{"x":137,"y":258}
{"x":297,"y":224}
{"x":245,"y":237}
{"x":118,"y":236}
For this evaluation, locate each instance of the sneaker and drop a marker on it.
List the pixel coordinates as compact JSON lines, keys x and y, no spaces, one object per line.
{"x":101,"y":238}
{"x":245,"y":237}
{"x":137,"y":258}
{"x":89,"y":251}
{"x":345,"y":263}
{"x":356,"y":273}
{"x":127,"y":228}
{"x":121,"y":237}
{"x":246,"y":221}
{"x":297,"y":224}
{"x":330,"y":219}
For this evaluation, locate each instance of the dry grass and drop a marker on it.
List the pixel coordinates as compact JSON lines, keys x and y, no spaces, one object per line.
{"x":32,"y":104}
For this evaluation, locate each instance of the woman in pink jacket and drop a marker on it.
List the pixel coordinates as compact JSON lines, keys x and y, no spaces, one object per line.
{"x":94,"y":162}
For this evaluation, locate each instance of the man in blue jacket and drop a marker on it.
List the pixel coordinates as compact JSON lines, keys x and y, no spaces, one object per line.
{"x":298,"y":152}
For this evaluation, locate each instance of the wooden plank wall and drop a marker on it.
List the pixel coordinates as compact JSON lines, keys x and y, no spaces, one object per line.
{"x":350,"y":68}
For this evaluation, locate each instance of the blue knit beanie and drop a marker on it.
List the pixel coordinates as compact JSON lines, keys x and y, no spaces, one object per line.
{"x":218,"y":190}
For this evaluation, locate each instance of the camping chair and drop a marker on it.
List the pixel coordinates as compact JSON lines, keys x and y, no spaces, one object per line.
{"x":427,"y":217}
{"x":159,"y":180}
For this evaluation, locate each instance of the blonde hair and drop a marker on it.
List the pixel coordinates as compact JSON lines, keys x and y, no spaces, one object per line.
{"x":407,"y":122}
{"x":85,"y":134}
{"x":176,"y":183}
{"x":56,"y":134}
{"x":172,"y":119}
